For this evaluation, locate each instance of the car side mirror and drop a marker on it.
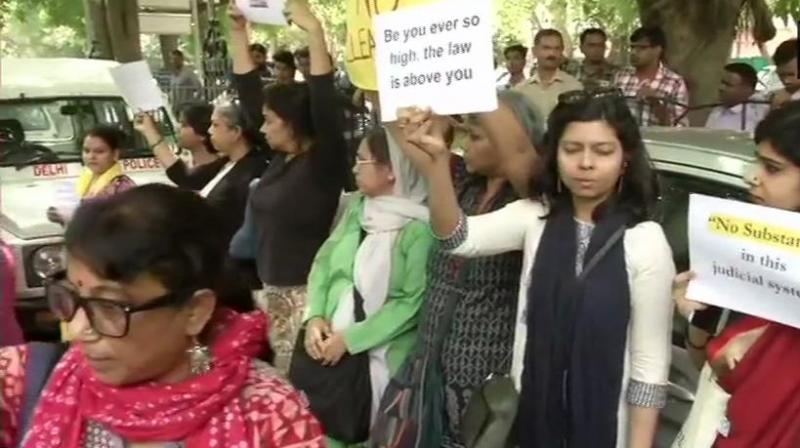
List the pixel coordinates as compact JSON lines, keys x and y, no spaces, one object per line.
{"x":11,"y":131}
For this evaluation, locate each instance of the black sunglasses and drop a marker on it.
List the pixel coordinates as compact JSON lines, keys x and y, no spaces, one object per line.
{"x":107,"y":317}
{"x":580,"y":96}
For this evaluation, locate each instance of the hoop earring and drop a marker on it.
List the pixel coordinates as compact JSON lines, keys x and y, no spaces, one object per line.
{"x":559,"y":186}
{"x":200,"y":360}
{"x":619,"y":186}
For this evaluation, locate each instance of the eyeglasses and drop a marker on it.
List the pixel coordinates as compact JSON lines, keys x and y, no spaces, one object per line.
{"x":580,"y":96}
{"x":106,"y":317}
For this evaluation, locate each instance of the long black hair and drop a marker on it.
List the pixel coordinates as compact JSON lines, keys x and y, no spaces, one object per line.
{"x":639,"y":191}
{"x":161,"y":231}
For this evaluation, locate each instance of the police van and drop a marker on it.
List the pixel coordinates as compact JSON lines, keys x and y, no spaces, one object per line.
{"x":46,"y":107}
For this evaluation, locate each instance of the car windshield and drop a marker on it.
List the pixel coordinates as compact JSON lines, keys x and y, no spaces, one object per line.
{"x":54,"y":128}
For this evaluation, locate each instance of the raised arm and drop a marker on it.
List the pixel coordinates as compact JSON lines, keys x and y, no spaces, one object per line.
{"x":329,"y":155}
{"x":246,"y":80}
{"x":494,"y":233}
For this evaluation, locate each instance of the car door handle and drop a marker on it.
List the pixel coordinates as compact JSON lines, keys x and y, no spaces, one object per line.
{"x":680,"y":393}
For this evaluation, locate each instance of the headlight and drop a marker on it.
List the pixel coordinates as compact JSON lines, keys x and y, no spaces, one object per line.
{"x":48,"y":261}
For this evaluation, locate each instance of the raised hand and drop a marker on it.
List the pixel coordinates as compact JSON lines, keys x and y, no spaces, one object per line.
{"x":299,"y":12}
{"x":237,"y":19}
{"x":424,"y":134}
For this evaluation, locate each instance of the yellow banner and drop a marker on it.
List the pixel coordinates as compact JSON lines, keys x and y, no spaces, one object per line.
{"x":360,"y":44}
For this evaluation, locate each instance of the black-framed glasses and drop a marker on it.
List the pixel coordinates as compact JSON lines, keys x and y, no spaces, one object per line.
{"x":580,"y":96}
{"x":107,"y":317}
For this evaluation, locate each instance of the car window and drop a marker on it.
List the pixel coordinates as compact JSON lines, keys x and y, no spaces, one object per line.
{"x":673,"y":208}
{"x":673,"y":211}
{"x":54,"y":128}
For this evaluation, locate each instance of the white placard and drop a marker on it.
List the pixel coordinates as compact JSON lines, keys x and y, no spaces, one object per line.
{"x":138,"y":87}
{"x":268,"y":12}
{"x":746,"y":258}
{"x":437,"y":56}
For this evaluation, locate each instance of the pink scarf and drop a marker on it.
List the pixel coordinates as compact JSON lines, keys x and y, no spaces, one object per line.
{"x":203,"y":411}
{"x":10,"y":332}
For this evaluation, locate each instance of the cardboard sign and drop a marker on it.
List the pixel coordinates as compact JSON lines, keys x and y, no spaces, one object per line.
{"x":360,"y":39}
{"x":438,"y":56}
{"x":746,"y":258}
{"x":267,"y":12}
{"x":138,"y":86}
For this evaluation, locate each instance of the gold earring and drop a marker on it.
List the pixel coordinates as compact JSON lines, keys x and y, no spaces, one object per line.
{"x":200,"y":360}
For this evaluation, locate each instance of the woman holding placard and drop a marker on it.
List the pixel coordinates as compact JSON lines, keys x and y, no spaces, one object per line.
{"x":295,"y":200}
{"x":592,"y":339}
{"x":755,"y":360}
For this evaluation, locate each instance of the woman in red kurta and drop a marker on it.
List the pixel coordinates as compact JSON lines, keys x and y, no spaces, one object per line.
{"x":755,"y":360}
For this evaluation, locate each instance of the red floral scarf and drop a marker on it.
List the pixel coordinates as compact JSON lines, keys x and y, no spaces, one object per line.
{"x":764,"y":408}
{"x":203,"y":411}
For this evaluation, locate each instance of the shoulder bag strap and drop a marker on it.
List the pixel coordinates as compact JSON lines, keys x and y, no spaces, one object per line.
{"x":612,"y":240}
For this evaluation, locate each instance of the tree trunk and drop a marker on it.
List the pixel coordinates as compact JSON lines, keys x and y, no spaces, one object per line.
{"x":699,"y":40}
{"x":97,"y":30}
{"x":122,"y":17}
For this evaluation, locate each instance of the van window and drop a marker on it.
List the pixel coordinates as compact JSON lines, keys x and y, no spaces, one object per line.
{"x":54,"y":128}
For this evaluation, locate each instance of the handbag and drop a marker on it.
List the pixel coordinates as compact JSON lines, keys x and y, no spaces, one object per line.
{"x":340,"y":396}
{"x":490,"y":418}
{"x":411,"y":413}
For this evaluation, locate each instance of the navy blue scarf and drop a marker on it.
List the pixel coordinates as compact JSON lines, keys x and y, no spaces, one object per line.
{"x":575,"y":352}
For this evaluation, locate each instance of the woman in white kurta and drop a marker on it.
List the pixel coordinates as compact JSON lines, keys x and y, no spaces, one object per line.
{"x":591,"y":357}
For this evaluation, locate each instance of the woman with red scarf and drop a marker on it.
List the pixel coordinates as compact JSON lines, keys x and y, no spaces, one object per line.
{"x":755,"y":360}
{"x":165,"y":352}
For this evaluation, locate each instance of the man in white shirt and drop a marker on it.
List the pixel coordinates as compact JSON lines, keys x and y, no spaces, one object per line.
{"x":516,"y":56}
{"x":737,"y":112}
{"x":548,"y":81}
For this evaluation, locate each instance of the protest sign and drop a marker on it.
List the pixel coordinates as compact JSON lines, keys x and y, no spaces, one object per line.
{"x":746,"y":258}
{"x":360,"y":40}
{"x":138,"y":87}
{"x":267,"y":12}
{"x":438,"y":56}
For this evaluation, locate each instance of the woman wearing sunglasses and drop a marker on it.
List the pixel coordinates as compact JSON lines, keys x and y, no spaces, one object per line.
{"x":592,"y":342}
{"x":165,"y":352}
{"x":755,"y":360}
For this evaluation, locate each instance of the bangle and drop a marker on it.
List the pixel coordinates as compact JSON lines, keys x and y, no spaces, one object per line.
{"x":160,"y":141}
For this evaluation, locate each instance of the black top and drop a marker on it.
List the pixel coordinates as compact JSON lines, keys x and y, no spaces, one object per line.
{"x":229,"y":196}
{"x":296,"y":199}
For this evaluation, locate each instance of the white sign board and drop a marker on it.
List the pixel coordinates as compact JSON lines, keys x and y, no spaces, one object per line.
{"x":268,"y":12}
{"x":746,"y":258}
{"x":138,"y":87}
{"x":438,"y":56}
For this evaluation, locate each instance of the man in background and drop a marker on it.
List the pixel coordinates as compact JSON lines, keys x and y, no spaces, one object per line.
{"x":548,"y":81}
{"x":184,"y":85}
{"x":785,"y":60}
{"x":303,"y":62}
{"x":737,"y":88}
{"x":258,"y":53}
{"x":657,"y":95}
{"x":285,"y":68}
{"x":595,"y":70}
{"x":516,"y":56}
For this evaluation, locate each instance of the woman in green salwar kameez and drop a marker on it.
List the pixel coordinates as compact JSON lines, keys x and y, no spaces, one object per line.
{"x":380,"y":247}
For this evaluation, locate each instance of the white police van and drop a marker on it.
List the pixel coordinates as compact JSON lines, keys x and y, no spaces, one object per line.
{"x":46,"y":107}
